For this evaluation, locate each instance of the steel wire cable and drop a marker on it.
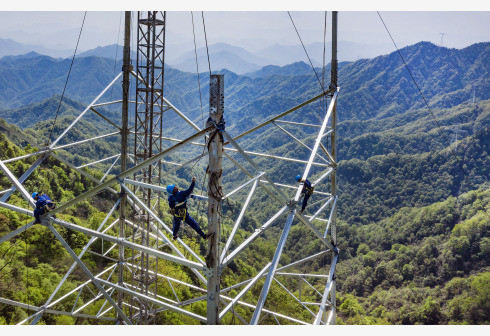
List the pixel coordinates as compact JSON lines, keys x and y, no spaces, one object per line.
{"x":67,"y":77}
{"x":428,"y":107}
{"x":304,"y":48}
{"x":197,"y":69}
{"x":115,"y":57}
{"x":206,"y":38}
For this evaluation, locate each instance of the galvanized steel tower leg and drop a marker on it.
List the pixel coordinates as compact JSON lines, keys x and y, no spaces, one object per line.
{"x":124,"y":148}
{"x":215,"y":149}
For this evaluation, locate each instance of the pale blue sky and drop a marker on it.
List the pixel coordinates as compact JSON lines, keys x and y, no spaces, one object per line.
{"x":251,"y":30}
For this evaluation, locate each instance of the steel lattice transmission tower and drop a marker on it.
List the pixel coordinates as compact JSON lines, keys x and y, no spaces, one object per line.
{"x":139,"y":292}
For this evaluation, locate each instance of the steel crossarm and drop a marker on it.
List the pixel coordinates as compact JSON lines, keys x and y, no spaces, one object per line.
{"x":244,"y":290}
{"x":168,"y":103}
{"x":17,"y":184}
{"x":24,"y":177}
{"x":155,"y":301}
{"x":272,"y":270}
{"x":295,"y":188}
{"x":84,"y":111}
{"x":238,"y":221}
{"x":296,"y":123}
{"x":130,"y":171}
{"x":282,"y":114}
{"x":51,"y":311}
{"x":72,"y":267}
{"x":251,"y":238}
{"x":86,"y":270}
{"x":126,"y":243}
{"x":297,"y":140}
{"x":86,"y":140}
{"x":328,"y":287}
{"x":322,"y":276}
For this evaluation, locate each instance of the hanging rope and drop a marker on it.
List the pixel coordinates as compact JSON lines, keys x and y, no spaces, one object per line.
{"x":304,"y":48}
{"x":439,"y":128}
{"x":206,"y":38}
{"x":67,"y":78}
{"x":197,"y":69}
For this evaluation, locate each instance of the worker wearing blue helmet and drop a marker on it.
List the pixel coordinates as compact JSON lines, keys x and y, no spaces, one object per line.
{"x":43,"y":205}
{"x":178,"y":207}
{"x":307,"y":191}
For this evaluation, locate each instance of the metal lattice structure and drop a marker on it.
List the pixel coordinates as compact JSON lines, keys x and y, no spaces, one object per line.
{"x":143,"y":236}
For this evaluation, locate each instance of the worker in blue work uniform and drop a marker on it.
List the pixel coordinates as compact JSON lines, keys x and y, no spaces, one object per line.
{"x":43,"y":205}
{"x":307,"y":191}
{"x":178,"y":207}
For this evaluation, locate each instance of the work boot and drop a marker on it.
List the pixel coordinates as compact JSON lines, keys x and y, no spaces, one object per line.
{"x":207,"y":235}
{"x":175,"y":237}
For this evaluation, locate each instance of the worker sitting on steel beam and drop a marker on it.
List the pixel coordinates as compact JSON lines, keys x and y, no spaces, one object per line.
{"x":307,"y":191}
{"x":43,"y":205}
{"x":178,"y":207}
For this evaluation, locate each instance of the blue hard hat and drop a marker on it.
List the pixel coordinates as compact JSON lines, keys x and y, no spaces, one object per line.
{"x":298,"y":177}
{"x":34,"y":194}
{"x":170,"y":188}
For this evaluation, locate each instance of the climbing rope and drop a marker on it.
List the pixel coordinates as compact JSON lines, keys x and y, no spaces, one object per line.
{"x":67,"y":78}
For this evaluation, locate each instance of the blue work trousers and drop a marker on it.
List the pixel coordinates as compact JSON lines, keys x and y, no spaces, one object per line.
{"x":305,"y":201}
{"x":189,"y":220}
{"x":37,"y":213}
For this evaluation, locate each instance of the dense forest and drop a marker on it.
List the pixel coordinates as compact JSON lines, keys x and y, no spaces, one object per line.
{"x":414,"y":205}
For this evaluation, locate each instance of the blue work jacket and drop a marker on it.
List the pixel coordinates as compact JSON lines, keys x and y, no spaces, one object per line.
{"x":179,"y":199}
{"x":42,"y":201}
{"x":307,"y":187}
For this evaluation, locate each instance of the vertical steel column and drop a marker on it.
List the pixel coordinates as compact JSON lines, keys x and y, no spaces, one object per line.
{"x":333,"y":152}
{"x":148,"y":132}
{"x":215,"y":149}
{"x":124,"y":148}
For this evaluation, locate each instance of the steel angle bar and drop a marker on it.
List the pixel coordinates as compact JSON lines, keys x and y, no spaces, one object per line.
{"x":311,"y":286}
{"x":24,"y":177}
{"x":272,"y":270}
{"x":243,"y":185}
{"x":327,"y":133}
{"x":128,"y":244}
{"x":169,"y":278}
{"x":243,"y":291}
{"x":43,"y":151}
{"x":238,"y":221}
{"x":129,"y":286}
{"x":322,"y":276}
{"x":85,"y":140}
{"x":295,"y":263}
{"x":328,"y":287}
{"x":51,"y":311}
{"x":294,"y":296}
{"x":72,"y":267}
{"x":155,"y":301}
{"x":104,"y":117}
{"x":99,"y":161}
{"x":86,"y":270}
{"x":321,"y":208}
{"x":41,"y":309}
{"x":168,"y":104}
{"x":159,"y":221}
{"x":297,"y":140}
{"x":295,"y":188}
{"x":282,"y":114}
{"x":16,"y":232}
{"x":315,"y":231}
{"x":296,"y":123}
{"x":129,"y":172}
{"x":317,"y":219}
{"x":256,"y":167}
{"x":17,"y":184}
{"x":327,"y":173}
{"x":144,"y":185}
{"x":282,"y":158}
{"x":330,"y":217}
{"x":110,"y":168}
{"x":84,"y":111}
{"x":233,"y":254}
{"x":107,"y":103}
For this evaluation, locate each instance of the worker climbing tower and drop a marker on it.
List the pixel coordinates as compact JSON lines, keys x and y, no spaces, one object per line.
{"x":147,"y":277}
